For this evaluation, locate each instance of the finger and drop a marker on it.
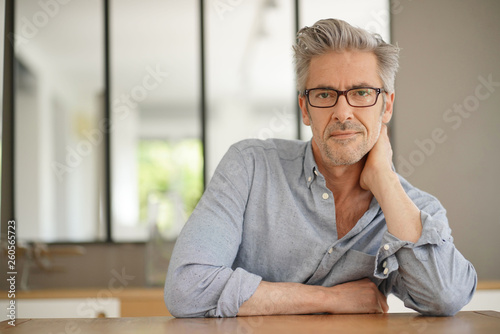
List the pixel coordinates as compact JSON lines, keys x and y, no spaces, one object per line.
{"x":383,"y":303}
{"x":384,"y":130}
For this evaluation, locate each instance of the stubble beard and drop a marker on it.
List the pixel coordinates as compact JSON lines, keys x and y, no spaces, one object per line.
{"x":346,"y":152}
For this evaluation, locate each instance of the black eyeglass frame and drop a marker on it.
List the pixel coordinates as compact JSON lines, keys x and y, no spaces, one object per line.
{"x":343,"y":92}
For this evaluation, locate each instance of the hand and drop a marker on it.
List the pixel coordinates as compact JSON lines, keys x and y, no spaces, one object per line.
{"x":402,"y":216}
{"x":378,"y":162}
{"x":361,"y":296}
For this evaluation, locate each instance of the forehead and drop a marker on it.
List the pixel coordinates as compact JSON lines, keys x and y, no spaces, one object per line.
{"x":343,"y":70}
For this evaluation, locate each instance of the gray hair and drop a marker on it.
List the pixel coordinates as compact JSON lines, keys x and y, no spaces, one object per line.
{"x":337,"y":35}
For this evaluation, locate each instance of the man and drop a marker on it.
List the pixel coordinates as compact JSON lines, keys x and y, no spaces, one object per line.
{"x":287,"y":227}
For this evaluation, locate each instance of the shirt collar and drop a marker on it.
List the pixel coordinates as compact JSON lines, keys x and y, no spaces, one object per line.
{"x":310,"y":167}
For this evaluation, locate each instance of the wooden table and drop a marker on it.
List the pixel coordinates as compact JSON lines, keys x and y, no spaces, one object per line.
{"x":464,"y":322}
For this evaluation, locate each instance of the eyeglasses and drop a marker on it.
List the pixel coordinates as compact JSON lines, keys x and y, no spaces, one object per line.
{"x":361,"y":97}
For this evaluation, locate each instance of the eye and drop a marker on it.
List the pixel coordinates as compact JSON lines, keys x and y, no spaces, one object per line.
{"x":324,"y":94}
{"x":363,"y":92}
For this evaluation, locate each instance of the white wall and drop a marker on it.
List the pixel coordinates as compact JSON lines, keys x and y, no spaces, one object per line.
{"x":445,"y":126}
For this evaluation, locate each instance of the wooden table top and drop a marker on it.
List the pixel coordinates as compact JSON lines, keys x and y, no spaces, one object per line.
{"x":464,"y":322}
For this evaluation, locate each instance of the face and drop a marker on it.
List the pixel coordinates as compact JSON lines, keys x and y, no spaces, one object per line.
{"x":343,"y":135}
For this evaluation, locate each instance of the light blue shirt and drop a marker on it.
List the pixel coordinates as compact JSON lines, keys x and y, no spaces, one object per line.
{"x":268,"y":215}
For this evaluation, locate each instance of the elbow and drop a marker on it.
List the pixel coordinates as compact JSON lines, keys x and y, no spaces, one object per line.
{"x":186,"y":299}
{"x":191,"y":292}
{"x":443,"y":308}
{"x":178,"y":300}
{"x":448,"y":302}
{"x":173,"y":308}
{"x":177,"y":310}
{"x":179,"y":303}
{"x":448,"y":298}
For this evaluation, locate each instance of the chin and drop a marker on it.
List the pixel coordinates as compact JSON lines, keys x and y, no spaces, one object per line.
{"x":344,"y":160}
{"x":334,"y":155}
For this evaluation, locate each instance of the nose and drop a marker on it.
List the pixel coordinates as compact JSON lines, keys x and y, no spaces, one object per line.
{"x":342,"y":111}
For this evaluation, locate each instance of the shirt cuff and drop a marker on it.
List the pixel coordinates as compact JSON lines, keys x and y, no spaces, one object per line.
{"x":434,"y":232}
{"x":385,"y":260}
{"x":238,"y":289}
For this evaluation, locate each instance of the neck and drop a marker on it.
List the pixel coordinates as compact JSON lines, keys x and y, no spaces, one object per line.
{"x":343,"y":181}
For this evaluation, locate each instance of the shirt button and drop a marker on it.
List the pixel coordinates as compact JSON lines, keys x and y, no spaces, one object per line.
{"x":386,"y":247}
{"x":386,"y":270}
{"x":309,"y":179}
{"x":325,"y":196}
{"x":316,"y":172}
{"x":330,"y":251}
{"x":384,"y":265}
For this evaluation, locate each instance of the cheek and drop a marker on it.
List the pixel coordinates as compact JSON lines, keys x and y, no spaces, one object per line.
{"x":375,"y":133}
{"x":318,"y":125}
{"x":373,"y":126}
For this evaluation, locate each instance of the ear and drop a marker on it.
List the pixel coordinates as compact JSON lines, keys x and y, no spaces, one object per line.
{"x":389,"y":104}
{"x":303,"y":108}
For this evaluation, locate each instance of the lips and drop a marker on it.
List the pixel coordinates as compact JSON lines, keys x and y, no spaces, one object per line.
{"x":343,"y":134}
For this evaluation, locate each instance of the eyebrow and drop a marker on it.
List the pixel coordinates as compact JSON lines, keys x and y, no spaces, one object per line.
{"x":358,"y":85}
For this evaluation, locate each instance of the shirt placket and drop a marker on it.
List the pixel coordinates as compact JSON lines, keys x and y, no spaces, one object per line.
{"x":326,"y":207}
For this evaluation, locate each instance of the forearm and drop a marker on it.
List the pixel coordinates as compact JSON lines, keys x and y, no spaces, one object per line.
{"x":360,"y":296}
{"x":284,"y":298}
{"x":401,"y":214}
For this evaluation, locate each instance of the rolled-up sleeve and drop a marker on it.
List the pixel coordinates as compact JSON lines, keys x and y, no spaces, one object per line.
{"x":200,"y":279}
{"x":431,"y":276}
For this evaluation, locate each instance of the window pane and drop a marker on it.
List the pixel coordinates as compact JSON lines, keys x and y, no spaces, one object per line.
{"x":59,"y":109}
{"x":156,"y":148}
{"x":250,"y":79}
{"x":374,"y":16}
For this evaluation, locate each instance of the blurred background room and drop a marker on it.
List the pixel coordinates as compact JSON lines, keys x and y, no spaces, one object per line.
{"x":117,"y":112}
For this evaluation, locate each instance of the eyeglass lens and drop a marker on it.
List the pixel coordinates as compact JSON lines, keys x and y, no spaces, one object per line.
{"x":358,"y":97}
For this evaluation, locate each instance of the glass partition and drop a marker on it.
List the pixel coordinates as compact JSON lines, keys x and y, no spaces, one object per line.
{"x":157,"y":163}
{"x":250,"y":78}
{"x":59,"y":109}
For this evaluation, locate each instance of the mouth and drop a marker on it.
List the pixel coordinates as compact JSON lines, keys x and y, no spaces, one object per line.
{"x":342,"y":135}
